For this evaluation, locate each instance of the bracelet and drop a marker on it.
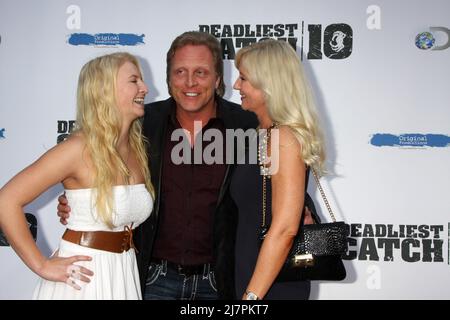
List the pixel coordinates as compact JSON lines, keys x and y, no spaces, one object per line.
{"x":251,"y":296}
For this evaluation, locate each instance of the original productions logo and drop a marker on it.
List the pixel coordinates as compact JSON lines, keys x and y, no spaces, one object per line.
{"x":335,"y":41}
{"x":410,"y":140}
{"x":105,"y":39}
{"x":428,"y":40}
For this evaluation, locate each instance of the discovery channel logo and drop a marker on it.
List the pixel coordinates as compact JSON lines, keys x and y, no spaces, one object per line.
{"x":427,"y":40}
{"x":410,"y":140}
{"x":105,"y":39}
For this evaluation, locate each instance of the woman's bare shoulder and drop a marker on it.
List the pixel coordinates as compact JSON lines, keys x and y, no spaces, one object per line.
{"x":287,"y":138}
{"x":74,"y":143}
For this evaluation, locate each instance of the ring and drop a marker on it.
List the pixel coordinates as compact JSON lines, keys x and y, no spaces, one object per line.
{"x":74,"y":271}
{"x":73,"y":268}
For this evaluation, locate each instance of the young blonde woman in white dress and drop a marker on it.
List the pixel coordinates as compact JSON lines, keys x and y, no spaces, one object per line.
{"x":103,"y":168}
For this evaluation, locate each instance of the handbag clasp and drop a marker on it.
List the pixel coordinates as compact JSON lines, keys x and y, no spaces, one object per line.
{"x":303,"y":260}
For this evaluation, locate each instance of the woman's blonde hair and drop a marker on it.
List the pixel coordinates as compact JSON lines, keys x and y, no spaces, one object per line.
{"x":98,"y":119}
{"x":274,"y":67}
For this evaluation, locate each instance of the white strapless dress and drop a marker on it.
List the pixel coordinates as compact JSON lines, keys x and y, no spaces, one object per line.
{"x":115,"y":274}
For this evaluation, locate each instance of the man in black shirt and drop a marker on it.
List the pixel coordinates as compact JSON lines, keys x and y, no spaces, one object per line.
{"x":187,"y":245}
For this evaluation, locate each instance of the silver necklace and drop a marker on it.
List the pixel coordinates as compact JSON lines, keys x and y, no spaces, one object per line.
{"x":263,"y":142}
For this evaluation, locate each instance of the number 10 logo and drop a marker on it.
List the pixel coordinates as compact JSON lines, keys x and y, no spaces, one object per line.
{"x":337,"y":41}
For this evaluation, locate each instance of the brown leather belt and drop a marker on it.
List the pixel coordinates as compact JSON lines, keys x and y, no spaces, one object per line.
{"x":116,"y":242}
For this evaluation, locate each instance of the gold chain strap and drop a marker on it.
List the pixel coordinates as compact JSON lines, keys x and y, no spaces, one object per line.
{"x":325,"y":200}
{"x":264,"y":202}
{"x":264,"y":183}
{"x":319,"y":186}
{"x":264,"y":187}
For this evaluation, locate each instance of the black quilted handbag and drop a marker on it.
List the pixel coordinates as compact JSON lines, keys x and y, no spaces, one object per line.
{"x":316,"y":253}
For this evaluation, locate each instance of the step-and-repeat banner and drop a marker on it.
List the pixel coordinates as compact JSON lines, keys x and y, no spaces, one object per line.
{"x":380,"y":71}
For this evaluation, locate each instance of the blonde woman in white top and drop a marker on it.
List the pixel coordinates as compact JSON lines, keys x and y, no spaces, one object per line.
{"x":103,"y":167}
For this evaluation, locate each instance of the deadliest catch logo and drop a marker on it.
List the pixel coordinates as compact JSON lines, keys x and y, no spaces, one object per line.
{"x":389,"y":242}
{"x":334,"y":41}
{"x":65,"y":127}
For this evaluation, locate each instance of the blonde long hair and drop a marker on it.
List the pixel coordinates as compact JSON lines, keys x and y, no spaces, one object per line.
{"x":274,"y":67}
{"x":98,"y":119}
